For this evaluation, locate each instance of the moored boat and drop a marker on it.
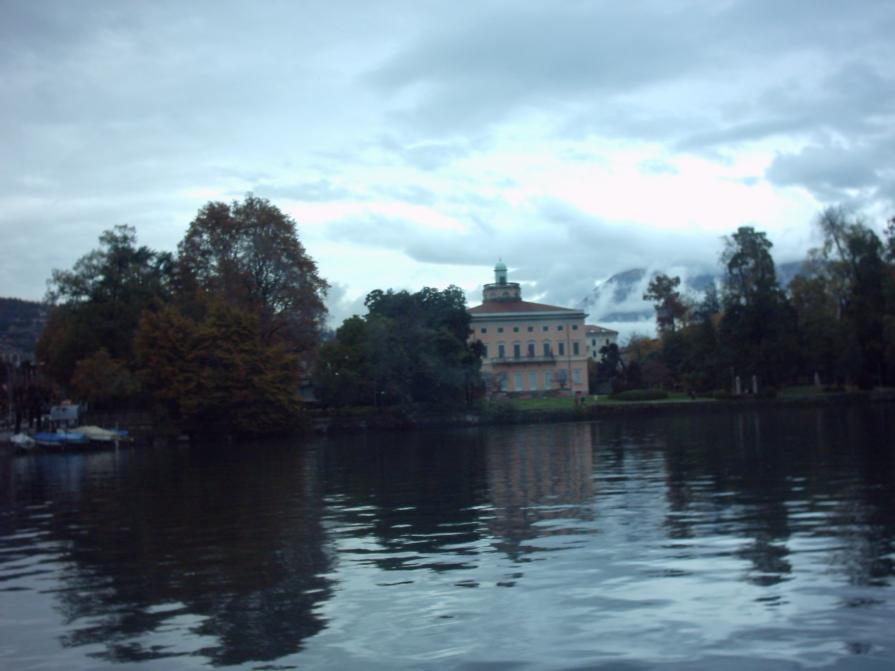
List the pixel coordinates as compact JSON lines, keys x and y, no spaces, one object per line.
{"x":97,"y":434}
{"x":59,"y":439}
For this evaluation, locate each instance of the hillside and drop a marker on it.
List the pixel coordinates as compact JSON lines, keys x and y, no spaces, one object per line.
{"x":21,"y":323}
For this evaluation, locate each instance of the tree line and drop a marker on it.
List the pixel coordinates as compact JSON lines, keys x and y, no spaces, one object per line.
{"x":834,"y":323}
{"x":221,"y":335}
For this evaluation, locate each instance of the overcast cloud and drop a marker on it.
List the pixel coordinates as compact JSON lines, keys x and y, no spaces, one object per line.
{"x":415,"y":143}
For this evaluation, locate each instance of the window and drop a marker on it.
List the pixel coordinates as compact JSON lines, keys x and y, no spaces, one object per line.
{"x":531,"y":348}
{"x":517,"y":382}
{"x":484,"y":350}
{"x":560,"y":327}
{"x":484,"y":329}
{"x":548,"y":379}
{"x":531,"y":328}
{"x":515,"y":329}
{"x":547,"y":348}
{"x":546,"y":327}
{"x":517,"y":351}
{"x":500,"y":329}
{"x":503,"y":381}
{"x":593,"y":342}
{"x":562,"y":348}
{"x":501,"y":351}
{"x":607,"y":341}
{"x":575,"y":348}
{"x":574,"y":327}
{"x":532,"y":381}
{"x":576,"y":376}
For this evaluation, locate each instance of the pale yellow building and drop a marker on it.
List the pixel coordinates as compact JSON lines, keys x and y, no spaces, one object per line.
{"x":597,"y":338}
{"x":530,"y":348}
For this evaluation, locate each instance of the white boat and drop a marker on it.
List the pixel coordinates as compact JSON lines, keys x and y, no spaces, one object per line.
{"x":98,"y":434}
{"x":23,"y":441}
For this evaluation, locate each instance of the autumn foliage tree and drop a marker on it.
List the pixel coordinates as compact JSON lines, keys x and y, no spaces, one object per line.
{"x":105,"y":383}
{"x":217,"y":374}
{"x":214,"y":336}
{"x":248,"y":254}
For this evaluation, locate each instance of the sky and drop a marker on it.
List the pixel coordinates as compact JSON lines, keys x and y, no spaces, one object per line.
{"x":416,"y":143}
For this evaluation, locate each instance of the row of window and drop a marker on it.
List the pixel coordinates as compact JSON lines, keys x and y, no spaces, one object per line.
{"x":530,"y":382}
{"x":560,"y":327}
{"x":547,"y":349}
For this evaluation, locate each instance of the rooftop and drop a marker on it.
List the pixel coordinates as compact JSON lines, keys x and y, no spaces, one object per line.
{"x":504,"y":307}
{"x":593,"y":328}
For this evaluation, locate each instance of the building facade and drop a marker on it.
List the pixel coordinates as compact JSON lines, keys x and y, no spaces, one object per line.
{"x":597,"y":338}
{"x":529,"y":348}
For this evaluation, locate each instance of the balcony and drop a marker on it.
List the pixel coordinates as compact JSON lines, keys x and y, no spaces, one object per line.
{"x":521,"y":360}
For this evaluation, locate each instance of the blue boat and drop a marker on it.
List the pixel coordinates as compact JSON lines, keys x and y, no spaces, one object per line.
{"x":59,"y":438}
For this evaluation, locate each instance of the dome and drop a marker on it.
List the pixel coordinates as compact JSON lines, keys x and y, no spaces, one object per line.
{"x":500,"y":266}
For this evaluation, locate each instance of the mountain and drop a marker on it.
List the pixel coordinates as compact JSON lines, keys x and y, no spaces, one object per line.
{"x":617,"y":302}
{"x":21,"y":323}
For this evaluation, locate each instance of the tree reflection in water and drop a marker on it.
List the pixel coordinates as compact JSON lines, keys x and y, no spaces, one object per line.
{"x":225,"y":544}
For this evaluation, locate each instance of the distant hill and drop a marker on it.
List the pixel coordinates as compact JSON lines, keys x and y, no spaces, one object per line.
{"x":617,"y":302}
{"x":21,"y":323}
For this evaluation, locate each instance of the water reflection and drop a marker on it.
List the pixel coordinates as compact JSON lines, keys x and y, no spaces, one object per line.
{"x":185,"y":554}
{"x":764,"y":535}
{"x":540,"y":484}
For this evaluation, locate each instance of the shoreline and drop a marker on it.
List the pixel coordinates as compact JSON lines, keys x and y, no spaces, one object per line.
{"x":362,"y":419}
{"x":355,"y":420}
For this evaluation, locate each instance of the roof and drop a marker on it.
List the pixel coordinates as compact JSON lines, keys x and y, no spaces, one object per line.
{"x":593,"y":328}
{"x":507,"y":307}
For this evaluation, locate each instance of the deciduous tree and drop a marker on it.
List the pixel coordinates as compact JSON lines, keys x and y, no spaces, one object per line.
{"x":249,"y":255}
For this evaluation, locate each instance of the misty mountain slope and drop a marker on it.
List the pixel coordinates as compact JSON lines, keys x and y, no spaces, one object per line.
{"x":617,"y":302}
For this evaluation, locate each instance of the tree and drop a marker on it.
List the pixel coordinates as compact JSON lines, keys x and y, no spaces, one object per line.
{"x":852,"y":264}
{"x":249,"y":255}
{"x":343,"y":374}
{"x":662,"y":291}
{"x":105,"y":383}
{"x":823,"y":340}
{"x":97,"y":304}
{"x":218,"y":374}
{"x":409,"y":348}
{"x":757,"y":333}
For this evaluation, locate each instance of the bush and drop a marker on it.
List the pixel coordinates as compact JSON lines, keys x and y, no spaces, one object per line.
{"x":639,"y":395}
{"x":767,"y":392}
{"x":723,"y":395}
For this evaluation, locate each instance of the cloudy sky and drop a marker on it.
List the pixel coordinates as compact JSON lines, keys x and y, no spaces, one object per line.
{"x":416,"y":142}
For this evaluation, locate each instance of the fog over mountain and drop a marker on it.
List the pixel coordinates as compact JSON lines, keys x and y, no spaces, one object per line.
{"x":617,"y":302}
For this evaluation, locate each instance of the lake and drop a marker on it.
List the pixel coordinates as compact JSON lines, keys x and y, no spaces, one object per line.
{"x":740,"y":540}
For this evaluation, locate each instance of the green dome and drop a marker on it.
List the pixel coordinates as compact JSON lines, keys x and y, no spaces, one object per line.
{"x":500,"y":266}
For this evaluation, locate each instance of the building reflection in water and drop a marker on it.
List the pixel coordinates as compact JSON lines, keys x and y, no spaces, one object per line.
{"x":540,"y":482}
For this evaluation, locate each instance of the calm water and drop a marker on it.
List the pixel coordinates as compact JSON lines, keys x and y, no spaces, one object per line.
{"x":744,"y":541}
